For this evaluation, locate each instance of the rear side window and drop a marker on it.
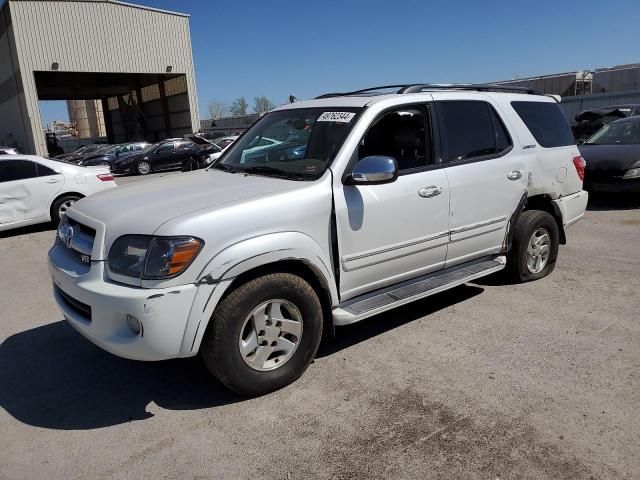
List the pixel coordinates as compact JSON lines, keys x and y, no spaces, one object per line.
{"x":471,"y":129}
{"x":546,"y":122}
{"x":44,"y":171}
{"x":12,"y":170}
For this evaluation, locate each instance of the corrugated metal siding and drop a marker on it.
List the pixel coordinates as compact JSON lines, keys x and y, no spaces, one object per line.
{"x":98,"y":36}
{"x":571,"y":106}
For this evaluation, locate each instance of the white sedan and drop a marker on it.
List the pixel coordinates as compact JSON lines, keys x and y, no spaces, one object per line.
{"x":38,"y":190}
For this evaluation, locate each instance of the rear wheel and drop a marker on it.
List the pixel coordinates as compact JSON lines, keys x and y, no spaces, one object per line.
{"x":143,"y":168}
{"x":535,"y":246}
{"x":264,"y":334}
{"x":61,"y":205}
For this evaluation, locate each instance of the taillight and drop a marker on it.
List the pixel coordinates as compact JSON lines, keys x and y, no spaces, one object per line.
{"x":107,"y":177}
{"x":580,"y":164}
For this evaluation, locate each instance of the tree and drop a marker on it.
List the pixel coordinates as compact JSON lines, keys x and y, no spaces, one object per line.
{"x":218,"y":109}
{"x":262,"y":105}
{"x":239,"y":107}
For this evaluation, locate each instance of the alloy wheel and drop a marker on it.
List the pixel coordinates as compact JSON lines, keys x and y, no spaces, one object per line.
{"x":270,"y":335}
{"x":538,"y":250}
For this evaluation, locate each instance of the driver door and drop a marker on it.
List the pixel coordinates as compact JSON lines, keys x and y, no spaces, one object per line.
{"x":395,"y":231}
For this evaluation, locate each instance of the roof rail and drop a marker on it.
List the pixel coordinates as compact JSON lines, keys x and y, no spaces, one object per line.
{"x":421,"y":87}
{"x":364,"y":90}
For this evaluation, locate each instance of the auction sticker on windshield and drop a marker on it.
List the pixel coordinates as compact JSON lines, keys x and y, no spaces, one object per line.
{"x":342,"y":117}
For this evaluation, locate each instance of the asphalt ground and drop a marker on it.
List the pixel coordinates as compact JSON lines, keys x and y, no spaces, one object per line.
{"x":488,"y":380}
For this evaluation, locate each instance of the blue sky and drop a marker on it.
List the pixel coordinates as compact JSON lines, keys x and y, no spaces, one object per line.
{"x":276,"y":48}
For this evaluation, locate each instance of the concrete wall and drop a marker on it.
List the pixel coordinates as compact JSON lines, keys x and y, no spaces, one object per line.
{"x":14,"y":126}
{"x":95,"y":36}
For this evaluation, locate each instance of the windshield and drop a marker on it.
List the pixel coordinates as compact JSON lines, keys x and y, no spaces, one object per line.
{"x":626,"y":133}
{"x":299,"y":144}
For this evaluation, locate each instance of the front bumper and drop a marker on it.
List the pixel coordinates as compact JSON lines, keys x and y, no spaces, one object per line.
{"x":98,"y":309}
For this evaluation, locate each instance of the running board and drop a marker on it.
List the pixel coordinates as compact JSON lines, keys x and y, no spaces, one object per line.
{"x":391,"y":297}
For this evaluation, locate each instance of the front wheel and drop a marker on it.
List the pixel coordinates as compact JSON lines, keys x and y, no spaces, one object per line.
{"x":190,"y":165}
{"x":264,"y":334}
{"x":535,"y":246}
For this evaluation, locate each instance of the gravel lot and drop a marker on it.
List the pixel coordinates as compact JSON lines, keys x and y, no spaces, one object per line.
{"x":486,"y":381}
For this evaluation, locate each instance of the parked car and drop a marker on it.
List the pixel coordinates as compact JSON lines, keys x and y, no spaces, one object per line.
{"x":209,"y":150}
{"x":171,"y":154}
{"x":9,"y":151}
{"x":613,"y":157}
{"x":397,"y":197}
{"x":107,"y":156}
{"x":82,"y":151}
{"x":590,"y":121}
{"x":38,"y":190}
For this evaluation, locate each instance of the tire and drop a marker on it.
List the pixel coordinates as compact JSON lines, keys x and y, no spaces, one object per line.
{"x":189,"y":165}
{"x":60,"y":205}
{"x":522,"y":261}
{"x":143,"y":168}
{"x":221,"y":345}
{"x":104,"y":164}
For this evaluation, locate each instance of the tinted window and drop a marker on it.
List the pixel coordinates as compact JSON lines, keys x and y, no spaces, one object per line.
{"x":166,"y":147}
{"x":11,"y":170}
{"x":403,"y":134}
{"x":184,"y":143}
{"x":44,"y":171}
{"x":546,"y":122}
{"x":471,"y":129}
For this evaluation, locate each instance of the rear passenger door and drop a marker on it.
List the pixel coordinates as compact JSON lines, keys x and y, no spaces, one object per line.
{"x":26,"y":190}
{"x":487,"y":176}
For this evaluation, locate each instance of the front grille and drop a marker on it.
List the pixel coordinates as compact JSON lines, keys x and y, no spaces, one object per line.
{"x":77,"y":306}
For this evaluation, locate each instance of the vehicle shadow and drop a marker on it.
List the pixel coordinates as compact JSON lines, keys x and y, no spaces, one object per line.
{"x":613,"y":201}
{"x":52,"y":377}
{"x":15,"y":232}
{"x":350,"y":335}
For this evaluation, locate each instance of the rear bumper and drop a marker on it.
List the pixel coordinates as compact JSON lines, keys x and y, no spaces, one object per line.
{"x":572,"y":207}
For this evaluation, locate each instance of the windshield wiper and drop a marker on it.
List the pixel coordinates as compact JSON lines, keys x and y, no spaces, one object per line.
{"x":224,"y":167}
{"x":275,"y":172}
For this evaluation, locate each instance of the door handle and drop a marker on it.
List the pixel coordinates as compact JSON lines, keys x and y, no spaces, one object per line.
{"x":430,"y":191}
{"x":514,"y":175}
{"x":53,"y":180}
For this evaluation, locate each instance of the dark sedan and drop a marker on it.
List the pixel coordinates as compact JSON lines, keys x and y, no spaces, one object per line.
{"x":613,"y":157}
{"x":107,"y":156}
{"x":171,"y":154}
{"x":82,"y":151}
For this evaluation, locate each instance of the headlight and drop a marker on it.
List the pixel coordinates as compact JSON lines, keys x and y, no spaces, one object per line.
{"x":148,"y":257}
{"x":633,"y":172}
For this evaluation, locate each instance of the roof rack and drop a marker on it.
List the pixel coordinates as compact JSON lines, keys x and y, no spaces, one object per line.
{"x":421,"y":87}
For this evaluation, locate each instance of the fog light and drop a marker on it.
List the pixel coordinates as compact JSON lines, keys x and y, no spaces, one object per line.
{"x":134,"y":324}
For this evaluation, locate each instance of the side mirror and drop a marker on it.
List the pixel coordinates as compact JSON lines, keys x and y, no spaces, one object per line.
{"x":373,"y":170}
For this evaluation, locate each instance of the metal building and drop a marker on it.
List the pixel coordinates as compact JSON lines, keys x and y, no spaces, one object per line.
{"x":136,"y":60}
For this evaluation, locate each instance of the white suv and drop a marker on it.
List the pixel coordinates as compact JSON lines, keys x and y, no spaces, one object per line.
{"x":368,"y":201}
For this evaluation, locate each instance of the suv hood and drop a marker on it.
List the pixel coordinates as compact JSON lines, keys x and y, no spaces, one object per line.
{"x":143,"y":207}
